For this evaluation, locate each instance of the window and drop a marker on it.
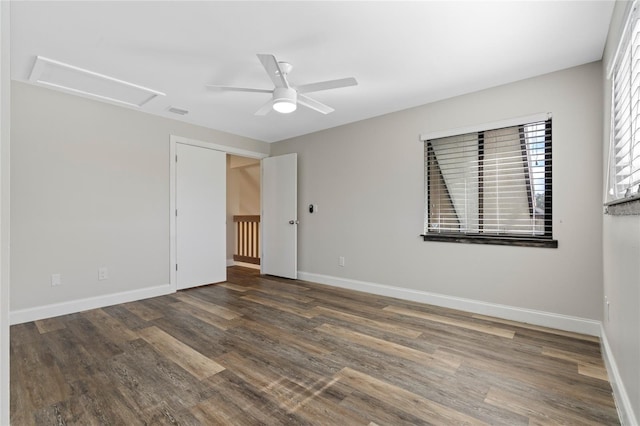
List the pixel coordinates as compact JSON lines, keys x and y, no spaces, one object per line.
{"x":624,"y":154}
{"x":490,"y":186}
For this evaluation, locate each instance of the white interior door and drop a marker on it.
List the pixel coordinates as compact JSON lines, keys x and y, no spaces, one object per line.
{"x":201,"y":236}
{"x":280,"y":216}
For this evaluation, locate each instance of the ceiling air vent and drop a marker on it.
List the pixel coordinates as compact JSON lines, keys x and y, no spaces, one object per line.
{"x":179,"y":111}
{"x":88,"y":83}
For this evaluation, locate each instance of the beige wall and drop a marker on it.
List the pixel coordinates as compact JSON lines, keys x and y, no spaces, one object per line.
{"x":367,"y":179}
{"x":243,"y":194}
{"x":90,"y":188}
{"x":621,"y":254}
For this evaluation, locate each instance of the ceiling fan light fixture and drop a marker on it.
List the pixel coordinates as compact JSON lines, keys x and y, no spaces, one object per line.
{"x":284,"y":100}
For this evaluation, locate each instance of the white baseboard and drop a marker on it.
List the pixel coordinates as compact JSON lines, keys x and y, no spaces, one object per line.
{"x":529,"y":316}
{"x":73,"y":306}
{"x":623,"y":403}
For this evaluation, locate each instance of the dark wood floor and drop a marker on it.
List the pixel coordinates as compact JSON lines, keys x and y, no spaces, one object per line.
{"x":261,"y":350}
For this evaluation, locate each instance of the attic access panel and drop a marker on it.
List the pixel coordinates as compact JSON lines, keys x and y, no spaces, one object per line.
{"x":80,"y":81}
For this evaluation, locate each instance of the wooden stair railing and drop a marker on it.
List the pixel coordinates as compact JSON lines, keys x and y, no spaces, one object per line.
{"x":247,"y":239}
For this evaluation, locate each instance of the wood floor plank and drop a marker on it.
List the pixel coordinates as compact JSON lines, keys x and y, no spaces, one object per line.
{"x":220,"y":311}
{"x":267,"y":350}
{"x":292,"y":309}
{"x":248,"y":370}
{"x":162,"y":414}
{"x":43,"y":387}
{"x":541,"y":411}
{"x":290,"y":395}
{"x":234,"y":287}
{"x":286,"y":338}
{"x":295,"y":295}
{"x":194,"y":362}
{"x":74,"y":361}
{"x":378,"y":325}
{"x":488,"y":329}
{"x":572,"y":356}
{"x":320,"y":411}
{"x":394,"y":349}
{"x":204,"y":315}
{"x":537,"y":328}
{"x":126,"y":317}
{"x":92,"y":338}
{"x":49,"y":324}
{"x":153,"y":383}
{"x":595,"y":371}
{"x":237,"y":402}
{"x":521,"y":377}
{"x":381,"y":412}
{"x":405,"y":400}
{"x":143,"y":311}
{"x":111,"y":327}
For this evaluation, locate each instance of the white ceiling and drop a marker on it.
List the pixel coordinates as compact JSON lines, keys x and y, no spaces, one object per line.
{"x":403,"y":54}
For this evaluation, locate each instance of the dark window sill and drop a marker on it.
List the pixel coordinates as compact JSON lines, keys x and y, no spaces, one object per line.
{"x":493,"y":240}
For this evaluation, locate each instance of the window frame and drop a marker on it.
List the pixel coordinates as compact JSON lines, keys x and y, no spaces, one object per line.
{"x":544,"y":240}
{"x":628,"y":203}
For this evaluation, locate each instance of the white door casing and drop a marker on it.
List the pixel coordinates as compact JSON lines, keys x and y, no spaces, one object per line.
{"x":200,"y":216}
{"x":279,"y":221}
{"x":174,"y":141}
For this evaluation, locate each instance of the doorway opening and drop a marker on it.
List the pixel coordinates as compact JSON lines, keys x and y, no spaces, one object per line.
{"x":243,"y":211}
{"x":177,"y":234}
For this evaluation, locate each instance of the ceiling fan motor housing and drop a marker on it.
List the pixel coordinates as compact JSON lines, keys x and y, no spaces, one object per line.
{"x":284,"y":99}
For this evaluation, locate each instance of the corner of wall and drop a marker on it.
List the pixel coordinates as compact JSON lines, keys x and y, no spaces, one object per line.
{"x":620,"y":395}
{"x":5,"y":117}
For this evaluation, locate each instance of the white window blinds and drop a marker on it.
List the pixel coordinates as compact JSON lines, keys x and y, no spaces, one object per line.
{"x":624,"y":156}
{"x":491,"y":183}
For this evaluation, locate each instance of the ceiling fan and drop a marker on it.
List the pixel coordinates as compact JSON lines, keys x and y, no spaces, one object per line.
{"x":284,"y":97}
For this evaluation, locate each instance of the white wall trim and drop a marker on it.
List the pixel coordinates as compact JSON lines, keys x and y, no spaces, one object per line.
{"x":173,"y":140}
{"x":623,"y":403}
{"x":224,"y":148}
{"x":73,"y":306}
{"x":230,"y":262}
{"x":529,"y":316}
{"x":543,"y":116}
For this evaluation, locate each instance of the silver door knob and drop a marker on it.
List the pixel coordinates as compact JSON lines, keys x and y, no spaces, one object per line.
{"x":293,"y":222}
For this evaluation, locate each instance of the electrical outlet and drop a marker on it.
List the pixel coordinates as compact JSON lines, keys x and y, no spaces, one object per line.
{"x":341,"y":261}
{"x":103,"y":273}
{"x":56,"y":279}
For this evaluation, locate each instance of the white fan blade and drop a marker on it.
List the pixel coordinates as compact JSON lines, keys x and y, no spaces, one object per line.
{"x":326,"y":85}
{"x":270,"y":64}
{"x":265,"y":109}
{"x":237,"y":89}
{"x":313,"y":104}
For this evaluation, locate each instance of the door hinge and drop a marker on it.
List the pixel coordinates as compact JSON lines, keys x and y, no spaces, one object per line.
{"x":176,"y":266}
{"x":176,"y":212}
{"x":176,"y":158}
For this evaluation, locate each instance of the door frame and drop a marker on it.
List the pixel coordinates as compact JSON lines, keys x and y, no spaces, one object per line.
{"x":173,"y":140}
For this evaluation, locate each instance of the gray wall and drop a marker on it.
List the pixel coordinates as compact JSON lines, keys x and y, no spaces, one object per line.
{"x":5,"y":123}
{"x":368,"y":181}
{"x":90,"y":188}
{"x":621,"y":254}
